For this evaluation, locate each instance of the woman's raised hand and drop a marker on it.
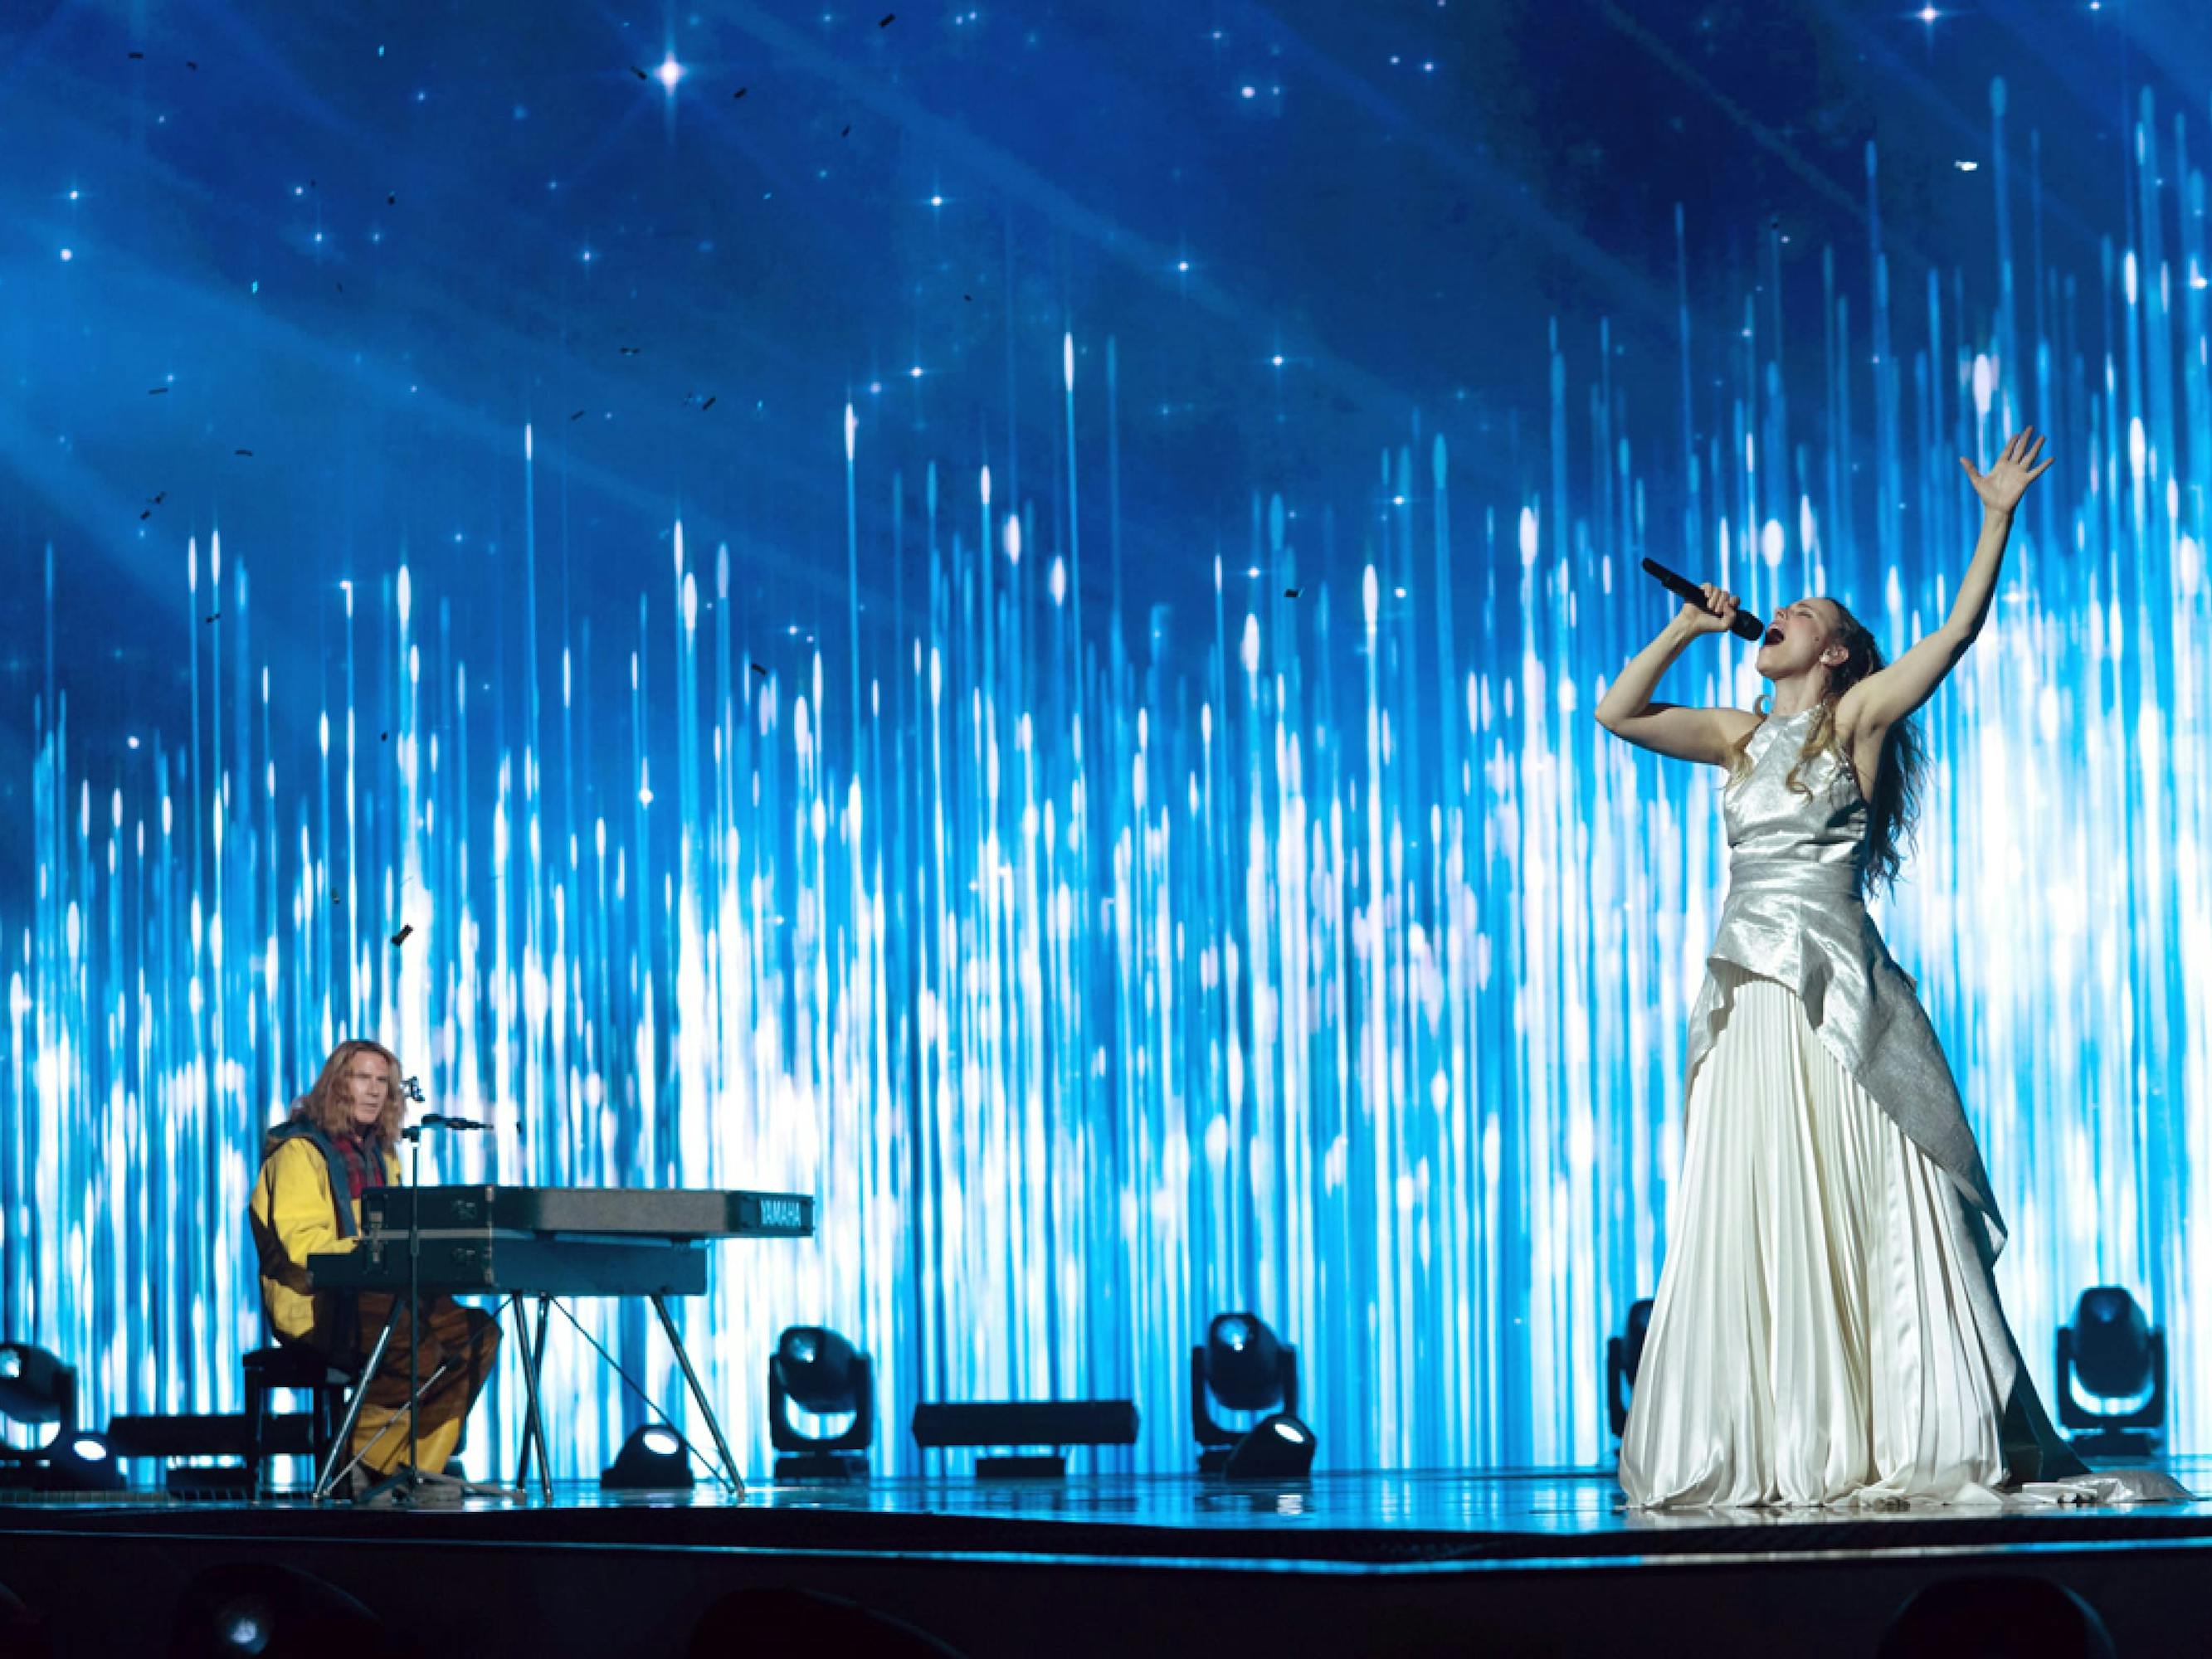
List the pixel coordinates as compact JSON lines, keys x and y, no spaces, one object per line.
{"x":1718,"y":620}
{"x":2005,"y":484}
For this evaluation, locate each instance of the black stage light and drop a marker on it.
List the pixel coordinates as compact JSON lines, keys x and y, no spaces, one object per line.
{"x":37,"y":1388}
{"x":277,"y":1613}
{"x":651,"y":1459}
{"x":1280,"y":1448}
{"x":2115,"y":1355}
{"x":1244,"y":1367}
{"x":81,"y":1462}
{"x":1622,"y":1354}
{"x":1995,"y":1613}
{"x":819,"y":1372}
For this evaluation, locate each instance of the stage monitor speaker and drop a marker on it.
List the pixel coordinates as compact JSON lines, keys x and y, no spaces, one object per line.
{"x":1016,"y":1423}
{"x":1027,"y":1423}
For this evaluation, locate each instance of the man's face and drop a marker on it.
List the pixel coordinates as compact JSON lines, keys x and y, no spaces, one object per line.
{"x":364,"y":1086}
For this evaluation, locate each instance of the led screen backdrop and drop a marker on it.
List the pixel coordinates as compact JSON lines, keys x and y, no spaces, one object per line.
{"x":991,"y":614}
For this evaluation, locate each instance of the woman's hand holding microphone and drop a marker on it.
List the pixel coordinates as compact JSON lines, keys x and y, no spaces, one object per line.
{"x":1718,"y":620}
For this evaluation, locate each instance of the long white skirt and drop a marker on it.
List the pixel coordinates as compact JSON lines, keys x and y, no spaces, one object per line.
{"x":1812,"y":1341}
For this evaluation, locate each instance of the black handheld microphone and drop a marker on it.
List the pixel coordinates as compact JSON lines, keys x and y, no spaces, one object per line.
{"x":1746,"y":625}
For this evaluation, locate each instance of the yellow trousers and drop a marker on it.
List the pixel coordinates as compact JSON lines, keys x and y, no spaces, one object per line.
{"x":464,"y":1340}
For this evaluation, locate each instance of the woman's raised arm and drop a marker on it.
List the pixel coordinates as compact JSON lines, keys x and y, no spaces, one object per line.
{"x":1888,"y":695}
{"x":1693,"y":734}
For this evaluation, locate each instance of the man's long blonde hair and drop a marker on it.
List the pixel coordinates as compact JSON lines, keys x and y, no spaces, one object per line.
{"x":1896,"y":803}
{"x":321,"y":1106}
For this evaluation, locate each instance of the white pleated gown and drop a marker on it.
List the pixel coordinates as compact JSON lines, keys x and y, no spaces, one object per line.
{"x":1827,"y":1329}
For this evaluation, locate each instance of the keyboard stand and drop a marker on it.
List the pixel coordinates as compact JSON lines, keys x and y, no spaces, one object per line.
{"x":699,"y":1396}
{"x":533,"y":1347}
{"x":332,"y":1464}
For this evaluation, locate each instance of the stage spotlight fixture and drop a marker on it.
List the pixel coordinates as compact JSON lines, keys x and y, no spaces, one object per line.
{"x":81,"y":1462}
{"x":277,"y":1613}
{"x":2116,"y":1357}
{"x":1280,"y":1448}
{"x":1622,"y":1354}
{"x":1246,"y":1368}
{"x":35,"y":1387}
{"x":651,"y":1459}
{"x":1995,"y":1613}
{"x":819,"y":1372}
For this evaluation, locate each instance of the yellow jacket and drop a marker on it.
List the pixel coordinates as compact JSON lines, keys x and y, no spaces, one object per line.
{"x":293,"y":1216}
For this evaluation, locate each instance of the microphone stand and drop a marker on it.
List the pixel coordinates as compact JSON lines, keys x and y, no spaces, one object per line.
{"x":412,"y":1135}
{"x":407,"y":1488}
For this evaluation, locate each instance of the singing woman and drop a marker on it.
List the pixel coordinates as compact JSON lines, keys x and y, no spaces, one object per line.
{"x":1827,"y":1329}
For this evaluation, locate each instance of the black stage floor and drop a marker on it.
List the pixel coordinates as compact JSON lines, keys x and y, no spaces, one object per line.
{"x":1504,"y":1562}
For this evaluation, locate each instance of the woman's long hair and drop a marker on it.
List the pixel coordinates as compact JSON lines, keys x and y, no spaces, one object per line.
{"x":1896,"y":803}
{"x":321,"y":1106}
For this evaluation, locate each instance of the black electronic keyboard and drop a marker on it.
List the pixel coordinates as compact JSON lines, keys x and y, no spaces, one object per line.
{"x":547,"y":1242}
{"x":552,"y":1241}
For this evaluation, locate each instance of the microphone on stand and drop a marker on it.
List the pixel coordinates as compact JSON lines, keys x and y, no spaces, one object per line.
{"x":1746,"y":625}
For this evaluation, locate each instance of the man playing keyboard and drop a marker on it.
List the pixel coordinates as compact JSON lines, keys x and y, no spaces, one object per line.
{"x":340,"y":1139}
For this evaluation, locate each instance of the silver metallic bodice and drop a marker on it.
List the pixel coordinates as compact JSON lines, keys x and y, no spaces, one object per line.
{"x":1794,"y":913}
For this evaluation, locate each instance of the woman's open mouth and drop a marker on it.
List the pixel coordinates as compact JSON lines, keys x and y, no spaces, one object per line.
{"x":1773,"y":636}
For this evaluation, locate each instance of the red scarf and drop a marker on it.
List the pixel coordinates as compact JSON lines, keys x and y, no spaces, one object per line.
{"x":364,"y":1162}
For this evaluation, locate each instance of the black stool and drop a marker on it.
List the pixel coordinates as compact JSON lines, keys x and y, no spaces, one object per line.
{"x":296,"y":1368}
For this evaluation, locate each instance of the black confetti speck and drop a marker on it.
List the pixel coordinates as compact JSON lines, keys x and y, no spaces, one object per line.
{"x":758,"y":670}
{"x":211,"y":615}
{"x":741,"y":92}
{"x":242,"y":451}
{"x":708,"y":404}
{"x":1292,"y":593}
{"x":400,"y":937}
{"x":147,"y":515}
{"x":639,"y":73}
{"x":136,"y":55}
{"x":847,"y":133}
{"x":630,"y":351}
{"x":578,"y":415}
{"x":190,"y":64}
{"x":156,"y":391}
{"x":886,"y":23}
{"x":391,"y":198}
